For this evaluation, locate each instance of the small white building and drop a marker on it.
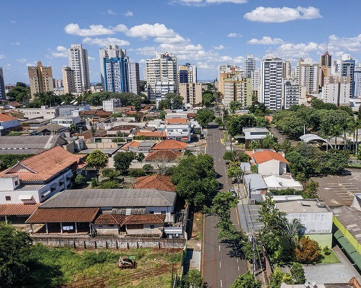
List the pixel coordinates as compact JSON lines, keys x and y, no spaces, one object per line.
{"x":179,"y":132}
{"x":282,"y":182}
{"x":270,"y":163}
{"x":67,"y":121}
{"x":109,"y":105}
{"x":44,"y":112}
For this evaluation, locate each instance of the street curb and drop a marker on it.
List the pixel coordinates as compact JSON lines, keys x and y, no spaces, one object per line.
{"x":202,"y":254}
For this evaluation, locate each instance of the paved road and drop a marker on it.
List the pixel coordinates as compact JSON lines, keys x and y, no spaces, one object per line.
{"x":219,"y":268}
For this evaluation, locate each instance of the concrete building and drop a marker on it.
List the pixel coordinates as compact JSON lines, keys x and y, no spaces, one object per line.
{"x":291,"y":94}
{"x":187,"y":73}
{"x":325,"y":67}
{"x":249,"y":65}
{"x":237,"y":89}
{"x":191,"y":93}
{"x":287,"y":69}
{"x":116,"y":74}
{"x":225,"y":72}
{"x":308,"y":75}
{"x":8,"y":124}
{"x":179,"y":132}
{"x":336,"y":90}
{"x":41,"y":79}
{"x":270,"y":163}
{"x":42,"y":112}
{"x":348,"y":69}
{"x":67,"y":121}
{"x":110,"y":51}
{"x":357,"y":79}
{"x":2,"y":85}
{"x":133,"y":78}
{"x":78,"y":61}
{"x":271,"y":83}
{"x":255,"y":76}
{"x":68,"y":80}
{"x":316,"y":218}
{"x":161,"y":76}
{"x":109,"y":105}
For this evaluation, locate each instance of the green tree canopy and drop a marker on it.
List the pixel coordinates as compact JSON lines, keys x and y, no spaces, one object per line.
{"x":20,"y":93}
{"x":246,"y":281}
{"x":97,"y":159}
{"x":204,"y":116}
{"x":122,"y":161}
{"x":208,"y":99}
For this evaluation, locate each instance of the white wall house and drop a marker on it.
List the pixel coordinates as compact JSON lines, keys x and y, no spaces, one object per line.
{"x":43,"y":111}
{"x":179,"y":132}
{"x":270,"y":163}
{"x":67,"y":121}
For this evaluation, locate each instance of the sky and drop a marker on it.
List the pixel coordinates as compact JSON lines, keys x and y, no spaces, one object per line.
{"x":207,"y":33}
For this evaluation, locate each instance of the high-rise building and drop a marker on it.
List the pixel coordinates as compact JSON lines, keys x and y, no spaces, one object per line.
{"x":161,"y":75}
{"x":78,"y":61}
{"x":133,"y":77}
{"x":2,"y":85}
{"x":191,"y":92}
{"x":348,"y":69}
{"x":116,"y":74}
{"x":227,"y":71}
{"x":271,"y":83}
{"x":337,"y":90}
{"x":336,"y":68}
{"x":41,"y":78}
{"x":249,"y":65}
{"x":255,"y":83}
{"x":357,"y":80}
{"x":325,"y":67}
{"x":110,"y":51}
{"x":287,"y":70}
{"x":58,"y":83}
{"x":308,"y":72}
{"x":187,"y":73}
{"x":326,"y":59}
{"x":238,"y":89}
{"x":291,"y":93}
{"x":68,"y":80}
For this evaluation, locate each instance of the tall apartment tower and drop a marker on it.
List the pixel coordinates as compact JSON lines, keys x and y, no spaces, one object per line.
{"x":133,"y":77}
{"x":78,"y":61}
{"x":291,"y":93}
{"x":325,"y":67}
{"x":271,"y":83}
{"x":308,"y":75}
{"x":68,"y":80}
{"x":41,"y":79}
{"x":110,"y":51}
{"x":337,"y":90}
{"x":357,"y":79}
{"x":187,"y":74}
{"x":326,"y":59}
{"x":348,"y":69}
{"x":2,"y":85}
{"x":287,"y":70}
{"x":116,"y":74}
{"x":249,"y":65}
{"x":161,"y":75}
{"x":227,"y":71}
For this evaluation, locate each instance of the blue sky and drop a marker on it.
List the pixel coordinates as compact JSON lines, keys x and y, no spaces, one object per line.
{"x":207,"y":33}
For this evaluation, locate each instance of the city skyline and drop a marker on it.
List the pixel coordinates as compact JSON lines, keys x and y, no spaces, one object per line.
{"x":206,"y":33}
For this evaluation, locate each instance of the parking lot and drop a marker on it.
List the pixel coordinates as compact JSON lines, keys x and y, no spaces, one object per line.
{"x":338,"y":190}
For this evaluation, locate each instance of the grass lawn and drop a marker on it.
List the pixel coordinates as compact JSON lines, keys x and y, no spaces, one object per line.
{"x":98,"y":268}
{"x":329,"y":259}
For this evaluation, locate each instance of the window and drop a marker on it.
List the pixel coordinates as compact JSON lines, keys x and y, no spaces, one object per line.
{"x":16,"y":183}
{"x":163,"y":212}
{"x":151,"y":226}
{"x":8,"y":198}
{"x":151,"y":212}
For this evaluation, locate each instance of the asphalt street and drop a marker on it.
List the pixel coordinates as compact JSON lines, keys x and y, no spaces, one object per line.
{"x":219,"y":267}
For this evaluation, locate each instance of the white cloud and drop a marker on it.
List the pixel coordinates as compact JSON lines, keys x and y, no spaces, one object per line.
{"x":280,"y":15}
{"x":23,"y":60}
{"x":204,"y":65}
{"x":34,"y":63}
{"x":266,"y":40}
{"x":219,"y":47}
{"x":350,"y":44}
{"x":60,"y":52}
{"x":91,"y":58}
{"x":206,"y":2}
{"x":15,"y":43}
{"x":226,"y":1}
{"x":13,"y":21}
{"x":105,"y":41}
{"x":295,"y":51}
{"x":93,"y":30}
{"x":111,"y":12}
{"x":149,"y":30}
{"x":128,"y":14}
{"x":234,"y":35}
{"x":2,"y":56}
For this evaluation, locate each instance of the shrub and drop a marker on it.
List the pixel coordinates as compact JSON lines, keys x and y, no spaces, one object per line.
{"x":110,"y":173}
{"x":111,"y":184}
{"x":79,"y":179}
{"x":308,"y":251}
{"x":94,"y":182}
{"x":137,"y":172}
{"x":327,"y":251}
{"x":147,"y":168}
{"x":254,"y":169}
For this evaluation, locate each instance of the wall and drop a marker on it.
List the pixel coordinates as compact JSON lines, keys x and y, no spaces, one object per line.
{"x":269,"y":168}
{"x":315,"y":223}
{"x":109,"y":242}
{"x":347,"y":234}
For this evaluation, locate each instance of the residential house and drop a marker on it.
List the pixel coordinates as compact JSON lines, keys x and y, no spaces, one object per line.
{"x":170,"y":145}
{"x":270,"y":163}
{"x":151,"y":135}
{"x":255,"y":186}
{"x":274,"y":182}
{"x":254,"y":134}
{"x":159,"y":182}
{"x":163,"y":156}
{"x":179,"y":132}
{"x":67,"y":121}
{"x":44,"y":112}
{"x":8,"y":124}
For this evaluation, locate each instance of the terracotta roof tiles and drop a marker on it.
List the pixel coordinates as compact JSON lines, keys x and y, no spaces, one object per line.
{"x":145,"y":219}
{"x":163,"y":155}
{"x":57,"y":215}
{"x":17,"y":209}
{"x":170,"y":145}
{"x":264,"y":156}
{"x":6,"y":118}
{"x":110,"y":219}
{"x":159,"y":182}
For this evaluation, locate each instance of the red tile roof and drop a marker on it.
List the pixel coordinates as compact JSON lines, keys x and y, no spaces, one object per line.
{"x":264,"y":156}
{"x":159,"y":182}
{"x":43,"y":166}
{"x":6,"y":118}
{"x":191,"y":115}
{"x":163,"y":155}
{"x":57,"y":215}
{"x":126,"y":146}
{"x":110,"y":219}
{"x":122,"y":127}
{"x":15,"y":104}
{"x":160,"y":134}
{"x":145,"y":219}
{"x":169,"y":145}
{"x":17,"y":209}
{"x":176,"y":121}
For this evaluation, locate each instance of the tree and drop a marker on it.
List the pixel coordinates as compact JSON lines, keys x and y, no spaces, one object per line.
{"x":234,"y":105}
{"x":219,"y":122}
{"x":193,"y":279}
{"x":277,"y":278}
{"x":122,"y":161}
{"x":204,"y":116}
{"x":110,"y":173}
{"x":208,"y":99}
{"x":140,"y":157}
{"x":97,"y":159}
{"x":222,"y":203}
{"x":308,"y":251}
{"x":162,"y":115}
{"x":246,"y":281}
{"x":234,"y":171}
{"x":175,"y":101}
{"x":147,"y":168}
{"x":236,"y":124}
{"x":298,"y":274}
{"x":15,"y":256}
{"x":20,"y":93}
{"x":79,"y":180}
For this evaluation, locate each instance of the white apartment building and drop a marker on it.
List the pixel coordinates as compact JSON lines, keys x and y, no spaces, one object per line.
{"x":237,"y":89}
{"x":336,"y":90}
{"x":348,"y":69}
{"x":110,"y":51}
{"x":68,"y":80}
{"x":249,"y":66}
{"x":44,"y":112}
{"x":78,"y":61}
{"x":291,"y":94}
{"x":271,"y":83}
{"x":187,"y":73}
{"x":160,"y":72}
{"x":67,"y":121}
{"x":109,"y":105}
{"x":133,"y":78}
{"x":287,"y":68}
{"x":191,"y":92}
{"x":308,"y":75}
{"x":357,"y":79}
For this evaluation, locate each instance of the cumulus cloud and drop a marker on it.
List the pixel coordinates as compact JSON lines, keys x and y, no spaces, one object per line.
{"x":93,"y":30}
{"x":34,"y":63}
{"x":284,"y":14}
{"x":105,"y":41}
{"x":219,"y":47}
{"x":350,"y":44}
{"x":234,"y":35}
{"x":206,"y":2}
{"x":23,"y":60}
{"x":149,"y":30}
{"x":128,"y":14}
{"x":15,"y":43}
{"x":2,"y":56}
{"x":266,"y":40}
{"x":205,"y":65}
{"x":111,"y":12}
{"x":295,"y":51}
{"x":60,"y":52}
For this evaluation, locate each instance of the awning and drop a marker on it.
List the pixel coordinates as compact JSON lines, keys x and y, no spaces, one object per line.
{"x":346,"y":245}
{"x":338,"y":234}
{"x":356,"y":258}
{"x":25,"y":197}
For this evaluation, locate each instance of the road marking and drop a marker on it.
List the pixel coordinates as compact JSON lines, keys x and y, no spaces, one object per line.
{"x":238,"y":268}
{"x":221,"y":283}
{"x":219,"y":248}
{"x":237,"y":260}
{"x":220,"y":265}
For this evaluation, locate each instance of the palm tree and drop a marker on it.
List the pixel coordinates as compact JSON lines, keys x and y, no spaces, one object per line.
{"x":292,"y":230}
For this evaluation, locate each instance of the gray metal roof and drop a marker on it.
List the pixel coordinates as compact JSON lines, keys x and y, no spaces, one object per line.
{"x":111,"y":198}
{"x":313,"y":137}
{"x":255,"y":182}
{"x":28,"y":144}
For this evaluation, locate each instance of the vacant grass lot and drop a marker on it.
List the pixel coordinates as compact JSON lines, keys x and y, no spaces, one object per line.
{"x":71,"y":268}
